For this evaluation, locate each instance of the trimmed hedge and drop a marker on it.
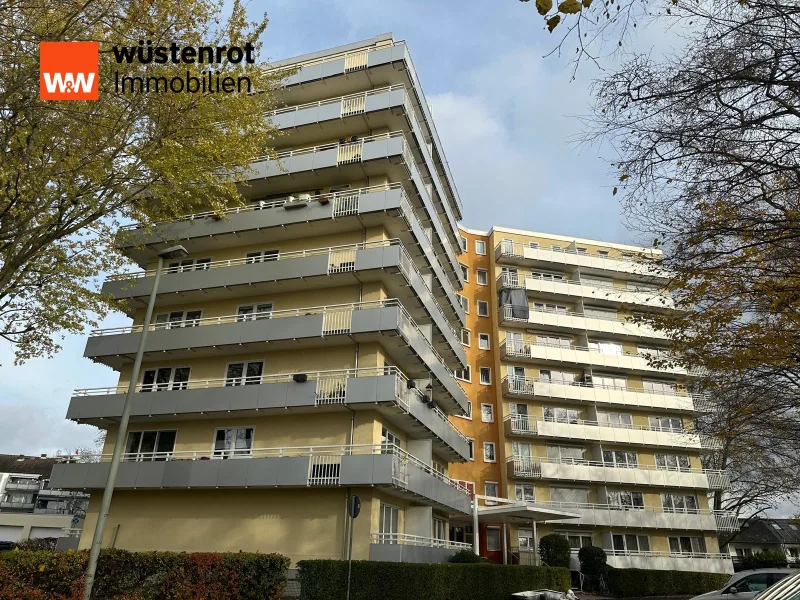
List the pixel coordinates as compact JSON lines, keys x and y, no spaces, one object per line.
{"x":327,"y":580}
{"x":555,"y":551}
{"x":763,"y":560}
{"x":638,"y":583}
{"x":123,"y":575}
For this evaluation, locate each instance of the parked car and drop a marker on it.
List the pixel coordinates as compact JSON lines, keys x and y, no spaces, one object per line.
{"x":745,"y":585}
{"x":787,"y":589}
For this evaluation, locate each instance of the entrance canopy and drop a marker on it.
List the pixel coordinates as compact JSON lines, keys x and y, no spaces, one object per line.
{"x":522,"y":512}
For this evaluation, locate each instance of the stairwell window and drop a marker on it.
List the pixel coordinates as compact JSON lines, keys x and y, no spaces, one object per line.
{"x":483,"y":341}
{"x":189,"y":264}
{"x":178,"y":318}
{"x":147,"y":446}
{"x":483,"y":308}
{"x":254,"y":312}
{"x":244,"y":373}
{"x":482,"y":276}
{"x":486,"y":375}
{"x":487,"y":413}
{"x":262,"y":256}
{"x":629,"y":543}
{"x":464,"y":303}
{"x":488,"y":452}
{"x":490,"y":489}
{"x":233,"y":441}
{"x":165,"y":378}
{"x":480,"y":247}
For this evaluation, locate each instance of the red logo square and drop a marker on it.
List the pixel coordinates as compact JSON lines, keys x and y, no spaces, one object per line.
{"x":68,"y":70}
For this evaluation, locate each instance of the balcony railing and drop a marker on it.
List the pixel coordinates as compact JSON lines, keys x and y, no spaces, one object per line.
{"x":323,"y":466}
{"x":654,"y":554}
{"x":351,"y":103}
{"x":514,"y":249}
{"x":405,"y":539}
{"x":726,"y":521}
{"x":29,"y":485}
{"x":506,"y":313}
{"x":331,"y":386}
{"x":526,"y":385}
{"x":525,"y":424}
{"x":532,"y":466}
{"x":523,"y":349}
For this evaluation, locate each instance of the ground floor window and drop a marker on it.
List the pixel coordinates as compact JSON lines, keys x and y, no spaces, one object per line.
{"x":439,"y":530}
{"x":461,"y":534}
{"x":577,"y":539}
{"x":493,"y":539}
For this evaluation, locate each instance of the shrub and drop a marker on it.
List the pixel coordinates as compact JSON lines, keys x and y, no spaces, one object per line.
{"x":763,"y":560}
{"x":467,"y":556}
{"x":593,"y":564}
{"x":121,"y":575}
{"x":645,"y":582}
{"x":327,"y":580}
{"x":554,"y":550}
{"x":47,"y":543}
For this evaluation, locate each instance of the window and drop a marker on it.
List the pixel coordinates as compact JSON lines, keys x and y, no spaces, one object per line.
{"x":603,"y":282}
{"x":480,"y":247}
{"x":244,"y":373}
{"x":521,"y":451}
{"x":562,"y":377}
{"x":551,"y":308}
{"x":490,"y":489}
{"x":492,"y":539}
{"x":146,"y":446}
{"x":233,"y":441}
{"x":486,"y":375}
{"x":254,"y":312}
{"x":556,"y":248}
{"x":576,"y":540}
{"x":487,"y":413}
{"x":569,"y":495}
{"x":609,"y":381}
{"x":178,"y":318}
{"x":510,"y":276}
{"x":464,"y":272}
{"x":580,"y":250}
{"x":607,"y":314}
{"x":464,"y":302}
{"x":553,"y":341}
{"x":533,"y":245}
{"x":165,"y":378}
{"x":602,"y":253}
{"x":488,"y":452}
{"x":547,"y":276}
{"x":525,"y":492}
{"x":652,"y":386}
{"x":666,"y":423}
{"x":464,"y":374}
{"x":483,"y":308}
{"x":439,"y":530}
{"x":672,"y":462}
{"x":561,"y":415}
{"x":687,"y":544}
{"x":565,"y":453}
{"x":776,"y":526}
{"x":614,"y":419}
{"x":606,"y":347}
{"x":388,"y":527}
{"x":261,"y":256}
{"x":463,"y":242}
{"x":189,"y":264}
{"x":620,"y":458}
{"x":465,"y":337}
{"x":389,"y":439}
{"x":508,"y":246}
{"x":630,"y":543}
{"x":483,"y":341}
{"x":482,"y":276}
{"x":626,"y":500}
{"x":468,"y":415}
{"x":471,"y":443}
{"x":658,"y":353}
{"x":682,"y":503}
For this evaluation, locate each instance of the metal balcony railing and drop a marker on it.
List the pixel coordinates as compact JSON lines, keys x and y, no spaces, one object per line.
{"x":405,"y":539}
{"x":29,"y":485}
{"x":323,"y":466}
{"x":351,"y":103}
{"x":515,"y":249}
{"x":531,"y":466}
{"x":655,"y":554}
{"x":506,"y":313}
{"x":511,"y":280}
{"x":526,"y":385}
{"x":523,"y":349}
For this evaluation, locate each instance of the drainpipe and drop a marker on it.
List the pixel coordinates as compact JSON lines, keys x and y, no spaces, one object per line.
{"x":476,"y":545}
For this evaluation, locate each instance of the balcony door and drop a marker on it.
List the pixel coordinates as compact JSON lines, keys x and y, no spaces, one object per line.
{"x":146,"y":446}
{"x":165,"y":378}
{"x":389,"y":527}
{"x":233,"y":441}
{"x":244,"y":373}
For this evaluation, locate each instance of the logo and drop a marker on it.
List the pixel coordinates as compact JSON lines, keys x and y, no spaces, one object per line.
{"x":68,"y":70}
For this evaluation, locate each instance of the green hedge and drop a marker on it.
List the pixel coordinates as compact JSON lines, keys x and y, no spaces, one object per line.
{"x":125,"y":575}
{"x":638,"y":583}
{"x":327,"y":580}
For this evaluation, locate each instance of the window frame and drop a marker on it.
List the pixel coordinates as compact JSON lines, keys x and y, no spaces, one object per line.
{"x":486,"y":492}
{"x":497,"y":530}
{"x":493,"y":447}
{"x":467,"y":371}
{"x":488,"y":338}
{"x":463,"y":243}
{"x":471,"y":445}
{"x":481,"y":371}
{"x":522,"y":486}
{"x":491,"y":412}
{"x":464,"y":300}
{"x":479,"y":244}
{"x":152,"y":455}
{"x":478,"y":304}
{"x":254,"y":305}
{"x":177,"y":324}
{"x":469,"y":337}
{"x":244,"y":377}
{"x":467,"y":416}
{"x":478,"y":273}
{"x":225,"y":454}
{"x":171,"y":385}
{"x":464,"y":272}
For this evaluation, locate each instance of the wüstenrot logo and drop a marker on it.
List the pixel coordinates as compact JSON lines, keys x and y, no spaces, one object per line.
{"x":68,"y":70}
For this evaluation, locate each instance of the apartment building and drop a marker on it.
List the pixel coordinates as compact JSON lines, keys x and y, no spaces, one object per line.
{"x":303,"y":350}
{"x":30,"y":507}
{"x":584,"y":422}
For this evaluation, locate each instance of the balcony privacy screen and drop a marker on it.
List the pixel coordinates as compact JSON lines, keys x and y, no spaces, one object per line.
{"x":518,"y":300}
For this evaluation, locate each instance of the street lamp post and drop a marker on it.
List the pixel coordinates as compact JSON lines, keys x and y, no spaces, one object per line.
{"x":122,"y":434}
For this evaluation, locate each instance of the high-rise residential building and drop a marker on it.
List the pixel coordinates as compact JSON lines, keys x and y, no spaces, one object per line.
{"x":340,"y":334}
{"x":303,"y":351}
{"x":584,"y":420}
{"x":30,"y":508}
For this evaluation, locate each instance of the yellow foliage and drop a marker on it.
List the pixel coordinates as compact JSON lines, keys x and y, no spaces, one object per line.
{"x":544,"y":6}
{"x":552,"y":22}
{"x":570,"y":7}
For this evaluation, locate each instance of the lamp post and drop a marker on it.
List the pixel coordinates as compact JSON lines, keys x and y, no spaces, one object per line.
{"x":122,"y":434}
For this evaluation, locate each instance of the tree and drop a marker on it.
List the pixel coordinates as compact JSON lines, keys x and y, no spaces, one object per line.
{"x":593,"y":564}
{"x":554,"y":550}
{"x":70,"y":172}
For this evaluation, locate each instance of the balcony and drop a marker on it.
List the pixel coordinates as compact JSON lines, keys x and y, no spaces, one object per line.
{"x":22,"y":506}
{"x":597,"y":293}
{"x":569,"y":321}
{"x":402,"y":547}
{"x":395,"y":471}
{"x":606,"y":395}
{"x":594,"y":471}
{"x":363,"y":66}
{"x":299,"y":271}
{"x":669,"y":561}
{"x":581,"y":356}
{"x":382,"y":321}
{"x":30,"y":485}
{"x":647,"y":517}
{"x":608,"y":433}
{"x":644,"y":267}
{"x":384,"y":389}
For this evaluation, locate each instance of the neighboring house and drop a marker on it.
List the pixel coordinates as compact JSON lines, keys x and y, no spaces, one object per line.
{"x":765,"y":535}
{"x":30,"y":508}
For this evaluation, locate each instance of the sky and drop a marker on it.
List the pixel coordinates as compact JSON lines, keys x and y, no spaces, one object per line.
{"x":504,"y":112}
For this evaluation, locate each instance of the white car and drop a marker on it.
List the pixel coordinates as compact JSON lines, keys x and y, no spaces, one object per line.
{"x":787,"y":589}
{"x":746,"y":585}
